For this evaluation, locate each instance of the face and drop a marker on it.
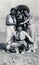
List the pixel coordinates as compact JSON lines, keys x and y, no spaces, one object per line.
{"x":22,"y":11}
{"x":18,"y":12}
{"x":19,"y":28}
{"x":13,"y":12}
{"x":20,"y":16}
{"x":25,"y":12}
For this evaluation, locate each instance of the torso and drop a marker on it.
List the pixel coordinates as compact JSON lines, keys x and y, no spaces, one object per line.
{"x":20,"y":36}
{"x":10,"y":20}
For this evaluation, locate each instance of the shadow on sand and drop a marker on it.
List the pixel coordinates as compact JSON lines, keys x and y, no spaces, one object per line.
{"x":2,"y":46}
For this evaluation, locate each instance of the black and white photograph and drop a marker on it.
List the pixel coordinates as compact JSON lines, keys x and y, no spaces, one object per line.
{"x":19,"y":32}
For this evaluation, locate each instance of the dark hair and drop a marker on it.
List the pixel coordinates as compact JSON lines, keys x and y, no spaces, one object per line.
{"x":13,"y":9}
{"x":27,"y":9}
{"x":22,"y":7}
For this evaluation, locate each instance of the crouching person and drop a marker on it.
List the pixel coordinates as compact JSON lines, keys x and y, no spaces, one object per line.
{"x":19,"y":44}
{"x":20,"y":38}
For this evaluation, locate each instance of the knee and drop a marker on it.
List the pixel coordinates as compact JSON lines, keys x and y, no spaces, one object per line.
{"x":8,"y":47}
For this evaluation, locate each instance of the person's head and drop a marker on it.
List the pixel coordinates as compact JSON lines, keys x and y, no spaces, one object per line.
{"x":18,"y":12}
{"x":21,"y":11}
{"x":20,"y":16}
{"x":19,"y":28}
{"x":25,"y":12}
{"x":27,"y":9}
{"x":13,"y":11}
{"x":19,"y":19}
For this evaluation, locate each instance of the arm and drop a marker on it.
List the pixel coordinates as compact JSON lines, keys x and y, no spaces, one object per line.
{"x":30,"y":16}
{"x":27,"y":35}
{"x":9,"y":20}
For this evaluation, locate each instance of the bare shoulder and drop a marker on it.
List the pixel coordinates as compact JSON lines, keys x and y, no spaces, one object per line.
{"x":8,"y":16}
{"x":23,"y":32}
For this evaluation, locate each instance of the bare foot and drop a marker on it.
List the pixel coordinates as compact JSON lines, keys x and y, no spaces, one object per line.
{"x":29,"y":51}
{"x":22,"y":52}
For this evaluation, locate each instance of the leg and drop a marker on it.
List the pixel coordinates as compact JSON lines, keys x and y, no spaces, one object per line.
{"x":10,"y":33}
{"x":22,"y":46}
{"x":15,"y":45}
{"x":32,"y":33}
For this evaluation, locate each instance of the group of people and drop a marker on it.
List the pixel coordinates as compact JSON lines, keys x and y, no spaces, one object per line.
{"x":20,"y":30}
